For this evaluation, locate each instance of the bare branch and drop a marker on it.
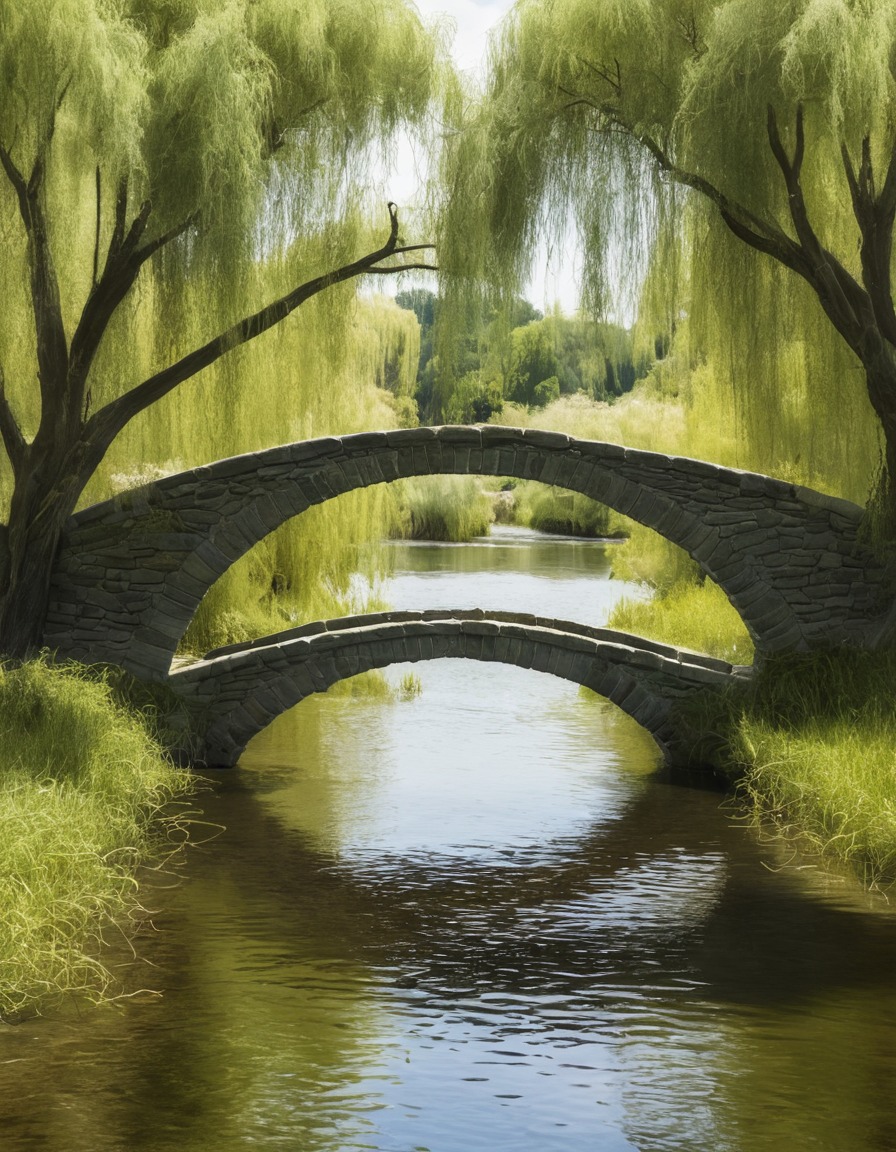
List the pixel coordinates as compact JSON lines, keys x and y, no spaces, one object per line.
{"x":875,"y":217}
{"x":121,"y":216}
{"x":40,"y":163}
{"x":414,"y":248}
{"x":123,"y":266}
{"x":401,"y":268}
{"x":105,"y":424}
{"x":846,"y":303}
{"x":17,"y":180}
{"x":136,"y":230}
{"x":144,"y":253}
{"x":852,"y":178}
{"x":613,"y":79}
{"x":844,"y":300}
{"x":887,"y":198}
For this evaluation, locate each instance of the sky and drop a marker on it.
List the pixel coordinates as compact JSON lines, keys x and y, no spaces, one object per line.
{"x":473,"y":19}
{"x":553,"y":280}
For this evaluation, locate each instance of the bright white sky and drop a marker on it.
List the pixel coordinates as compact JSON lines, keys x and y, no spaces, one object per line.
{"x":553,"y":280}
{"x":473,"y":19}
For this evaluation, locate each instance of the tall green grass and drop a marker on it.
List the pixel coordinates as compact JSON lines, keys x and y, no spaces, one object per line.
{"x":813,"y":749}
{"x":450,"y":508}
{"x":696,"y":616}
{"x":83,"y":789}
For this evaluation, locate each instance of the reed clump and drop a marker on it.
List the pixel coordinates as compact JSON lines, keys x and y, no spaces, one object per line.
{"x":445,"y":508}
{"x":565,"y":513}
{"x":83,"y":793}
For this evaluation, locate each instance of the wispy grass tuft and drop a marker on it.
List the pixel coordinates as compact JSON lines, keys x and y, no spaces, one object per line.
{"x":83,"y":786}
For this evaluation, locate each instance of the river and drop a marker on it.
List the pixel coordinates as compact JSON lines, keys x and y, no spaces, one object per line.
{"x":476,"y":919}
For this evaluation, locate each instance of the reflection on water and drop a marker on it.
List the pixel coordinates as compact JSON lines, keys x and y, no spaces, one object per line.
{"x":477,"y":920}
{"x":513,"y":569}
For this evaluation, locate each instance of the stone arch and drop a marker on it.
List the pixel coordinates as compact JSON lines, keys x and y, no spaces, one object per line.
{"x":132,"y":571}
{"x":233,"y":694}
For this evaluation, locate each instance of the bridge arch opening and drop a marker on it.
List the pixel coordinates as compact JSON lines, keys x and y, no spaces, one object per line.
{"x":281,"y":580}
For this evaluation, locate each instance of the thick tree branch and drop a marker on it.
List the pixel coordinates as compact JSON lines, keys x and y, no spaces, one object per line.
{"x":10,"y":432}
{"x":842,"y":297}
{"x":52,"y":347}
{"x":121,"y":217}
{"x":791,"y":169}
{"x":875,"y":216}
{"x":763,"y":234}
{"x":18,"y":182}
{"x":123,"y":265}
{"x":105,"y":424}
{"x":846,"y":303}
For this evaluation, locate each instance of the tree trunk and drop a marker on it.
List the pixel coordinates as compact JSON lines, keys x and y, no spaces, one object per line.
{"x":38,"y":512}
{"x":880,"y":375}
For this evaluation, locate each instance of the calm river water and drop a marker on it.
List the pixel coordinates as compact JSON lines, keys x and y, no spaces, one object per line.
{"x":477,"y":920}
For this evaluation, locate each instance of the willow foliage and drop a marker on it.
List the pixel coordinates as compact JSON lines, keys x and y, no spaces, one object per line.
{"x":255,"y":120}
{"x":177,"y":176}
{"x":645,"y":122}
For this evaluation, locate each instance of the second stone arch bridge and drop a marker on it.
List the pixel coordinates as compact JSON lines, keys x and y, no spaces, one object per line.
{"x":132,"y":571}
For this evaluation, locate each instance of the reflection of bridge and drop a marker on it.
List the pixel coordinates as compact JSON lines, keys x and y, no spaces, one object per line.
{"x":132,"y":571}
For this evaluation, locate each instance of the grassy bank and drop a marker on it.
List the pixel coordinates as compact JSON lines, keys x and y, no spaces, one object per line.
{"x":690,"y":615}
{"x":812,"y":749}
{"x":83,"y":785}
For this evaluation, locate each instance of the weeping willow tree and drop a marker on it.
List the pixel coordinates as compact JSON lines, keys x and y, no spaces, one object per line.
{"x":733,"y":162}
{"x":178,"y":176}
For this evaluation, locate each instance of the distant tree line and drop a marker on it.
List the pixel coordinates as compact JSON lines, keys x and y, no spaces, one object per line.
{"x":522,"y":356}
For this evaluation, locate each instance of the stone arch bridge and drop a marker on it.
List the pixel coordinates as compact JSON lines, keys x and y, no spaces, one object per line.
{"x":235,"y":692}
{"x":132,"y":570}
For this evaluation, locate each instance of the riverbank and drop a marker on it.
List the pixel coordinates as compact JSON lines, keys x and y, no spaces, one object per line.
{"x":812,"y":749}
{"x":85,"y":791}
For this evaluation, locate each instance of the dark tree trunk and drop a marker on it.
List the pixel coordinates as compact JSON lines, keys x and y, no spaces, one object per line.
{"x":42,"y":501}
{"x":880,"y":376}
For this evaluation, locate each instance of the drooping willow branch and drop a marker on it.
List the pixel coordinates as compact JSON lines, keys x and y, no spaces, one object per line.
{"x":102,"y":428}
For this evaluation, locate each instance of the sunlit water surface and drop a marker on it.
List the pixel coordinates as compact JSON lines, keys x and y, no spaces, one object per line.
{"x":477,"y":920}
